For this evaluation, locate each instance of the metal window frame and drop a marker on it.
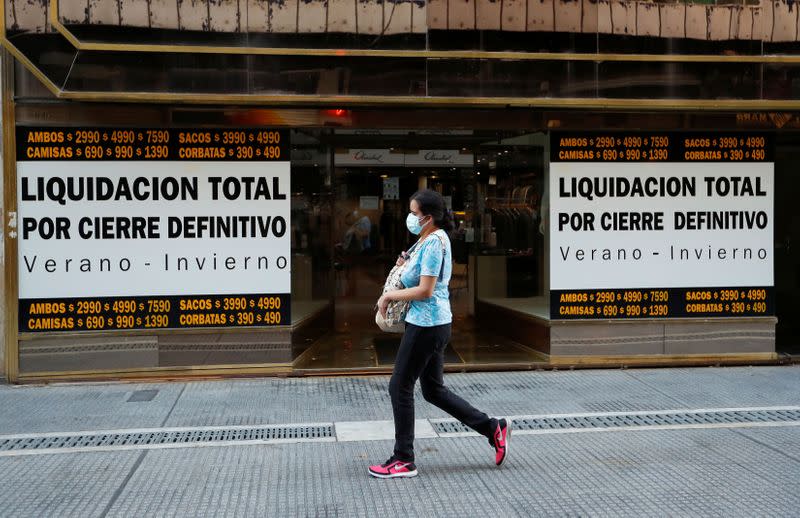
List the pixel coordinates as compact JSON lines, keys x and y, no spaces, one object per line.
{"x":9,"y":157}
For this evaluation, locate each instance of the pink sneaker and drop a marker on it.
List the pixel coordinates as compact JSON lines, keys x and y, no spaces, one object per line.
{"x":393,"y":468}
{"x":500,"y":441}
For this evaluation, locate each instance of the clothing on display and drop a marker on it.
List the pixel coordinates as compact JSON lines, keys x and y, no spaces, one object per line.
{"x":511,"y":222}
{"x":510,"y":227}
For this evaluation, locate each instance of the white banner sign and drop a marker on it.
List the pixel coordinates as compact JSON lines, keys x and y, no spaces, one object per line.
{"x":665,"y":225}
{"x":102,"y":228}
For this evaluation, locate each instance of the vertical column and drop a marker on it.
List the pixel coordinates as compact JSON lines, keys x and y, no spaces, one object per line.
{"x":9,"y":189}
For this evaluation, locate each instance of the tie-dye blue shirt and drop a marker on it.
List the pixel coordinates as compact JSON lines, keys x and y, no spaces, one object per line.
{"x":429,"y":259}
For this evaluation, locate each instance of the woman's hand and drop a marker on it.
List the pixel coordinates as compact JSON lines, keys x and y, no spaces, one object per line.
{"x":383,"y":304}
{"x":401,"y":259}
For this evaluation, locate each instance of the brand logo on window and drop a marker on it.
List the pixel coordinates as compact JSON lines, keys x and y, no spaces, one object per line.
{"x":364,"y":156}
{"x":433,"y":156}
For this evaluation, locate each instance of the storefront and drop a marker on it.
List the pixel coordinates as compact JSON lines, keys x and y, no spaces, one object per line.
{"x":227,"y":200}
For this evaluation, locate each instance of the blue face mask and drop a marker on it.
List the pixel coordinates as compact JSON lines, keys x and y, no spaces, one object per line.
{"x":412,"y":223}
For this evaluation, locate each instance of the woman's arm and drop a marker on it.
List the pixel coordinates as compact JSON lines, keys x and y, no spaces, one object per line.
{"x":427,"y":283}
{"x":424,"y":291}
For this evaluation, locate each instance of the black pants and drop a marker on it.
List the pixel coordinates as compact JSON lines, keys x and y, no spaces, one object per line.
{"x":421,"y":356}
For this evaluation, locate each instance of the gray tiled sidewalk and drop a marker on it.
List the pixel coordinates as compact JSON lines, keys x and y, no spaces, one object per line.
{"x":710,"y":472}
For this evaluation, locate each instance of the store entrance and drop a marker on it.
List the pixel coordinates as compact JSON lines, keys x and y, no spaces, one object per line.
{"x":370,"y":232}
{"x":374,"y":175}
{"x":787,"y":244}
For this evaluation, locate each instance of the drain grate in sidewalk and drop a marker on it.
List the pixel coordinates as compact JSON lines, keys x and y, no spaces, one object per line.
{"x":168,"y":437}
{"x":635,"y":420}
{"x":155,"y":438}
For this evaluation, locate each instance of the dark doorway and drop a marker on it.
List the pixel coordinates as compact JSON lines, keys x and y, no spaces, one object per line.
{"x":787,"y":243}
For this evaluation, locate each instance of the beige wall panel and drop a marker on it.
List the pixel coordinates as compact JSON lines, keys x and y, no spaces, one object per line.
{"x":696,"y":22}
{"x":619,"y":17}
{"x":767,"y":12}
{"x":400,"y":21}
{"x":369,"y":17}
{"x":47,"y":26}
{"x":283,"y":16}
{"x":10,"y":8}
{"x":647,"y":16}
{"x":736,"y":13}
{"x":568,"y":15}
{"x":589,"y":24}
{"x":797,"y":22}
{"x":419,"y":18}
{"x":631,"y":21}
{"x":796,"y":14}
{"x":164,"y":14}
{"x":514,"y":17}
{"x":604,"y":17}
{"x":312,"y":16}
{"x":672,"y":17}
{"x":758,"y":24}
{"x":462,"y":14}
{"x":436,"y":11}
{"x":342,"y":16}
{"x":257,"y":16}
{"x":71,"y":11}
{"x":28,"y":15}
{"x":488,"y":15}
{"x":107,"y":12}
{"x":540,"y":15}
{"x":193,"y":14}
{"x":134,"y":13}
{"x":744,"y":23}
{"x":785,"y":28}
{"x":225,"y":15}
{"x":719,"y":23}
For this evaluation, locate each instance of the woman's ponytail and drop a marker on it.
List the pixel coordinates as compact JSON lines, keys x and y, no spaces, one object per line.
{"x":446,"y":222}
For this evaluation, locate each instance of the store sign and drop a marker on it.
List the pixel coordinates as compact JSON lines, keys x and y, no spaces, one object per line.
{"x":440,"y":158}
{"x":388,"y":157}
{"x":135,"y":229}
{"x":368,"y":157}
{"x":661,"y":225}
{"x":391,"y":188}
{"x":369,"y":203}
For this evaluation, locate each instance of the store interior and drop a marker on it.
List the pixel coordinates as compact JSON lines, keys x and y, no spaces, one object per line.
{"x":351,"y":190}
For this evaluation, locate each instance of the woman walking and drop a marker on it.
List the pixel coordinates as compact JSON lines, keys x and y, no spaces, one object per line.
{"x":427,"y":333}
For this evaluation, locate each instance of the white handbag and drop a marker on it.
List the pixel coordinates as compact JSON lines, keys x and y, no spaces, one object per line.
{"x":395,"y":319}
